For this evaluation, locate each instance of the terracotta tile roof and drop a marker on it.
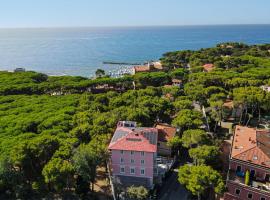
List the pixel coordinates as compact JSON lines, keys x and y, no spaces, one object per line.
{"x":132,"y":138}
{"x":165,"y":132}
{"x":251,"y":145}
{"x":254,"y":155}
{"x":208,"y":67}
{"x":133,"y":142}
{"x":228,"y":104}
{"x":176,"y":81}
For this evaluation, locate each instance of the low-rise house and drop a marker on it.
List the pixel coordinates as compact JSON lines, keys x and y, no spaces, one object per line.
{"x":208,"y":67}
{"x":135,"y":152}
{"x":266,"y":88}
{"x":249,"y":168}
{"x":177,"y":82}
{"x":231,"y":112}
{"x":165,"y":133}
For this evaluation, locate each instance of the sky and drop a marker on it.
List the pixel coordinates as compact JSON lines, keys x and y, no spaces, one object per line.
{"x":73,"y":13}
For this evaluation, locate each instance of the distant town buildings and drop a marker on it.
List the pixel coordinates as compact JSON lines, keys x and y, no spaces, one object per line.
{"x":19,"y":70}
{"x":249,"y":169}
{"x":135,"y":158}
{"x":149,"y":67}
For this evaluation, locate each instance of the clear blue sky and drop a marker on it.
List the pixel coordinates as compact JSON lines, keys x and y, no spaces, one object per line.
{"x":53,"y":13}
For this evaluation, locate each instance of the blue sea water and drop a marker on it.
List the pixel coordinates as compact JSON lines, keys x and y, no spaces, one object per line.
{"x":80,"y":51}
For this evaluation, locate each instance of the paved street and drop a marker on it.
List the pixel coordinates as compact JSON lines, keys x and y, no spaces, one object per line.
{"x":172,"y":189}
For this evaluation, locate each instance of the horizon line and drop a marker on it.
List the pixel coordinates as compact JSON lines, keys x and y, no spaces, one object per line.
{"x":132,"y":26}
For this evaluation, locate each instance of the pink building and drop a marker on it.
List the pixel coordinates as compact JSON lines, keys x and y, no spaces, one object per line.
{"x":250,"y":153}
{"x":133,"y":154}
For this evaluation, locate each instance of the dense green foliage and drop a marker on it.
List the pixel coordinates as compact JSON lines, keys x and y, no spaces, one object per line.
{"x":198,"y":179}
{"x":205,"y":155}
{"x":46,"y":141}
{"x":137,"y":193}
{"x":54,"y":131}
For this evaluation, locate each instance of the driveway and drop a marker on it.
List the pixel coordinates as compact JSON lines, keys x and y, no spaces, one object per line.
{"x":171,"y":189}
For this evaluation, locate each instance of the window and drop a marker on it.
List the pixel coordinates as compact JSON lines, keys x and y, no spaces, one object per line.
{"x":142,"y":162}
{"x":237,"y":191}
{"x":132,"y":170}
{"x":250,"y":196}
{"x":262,"y":198}
{"x":238,"y":169}
{"x":252,"y":173}
{"x":131,"y":152}
{"x":142,"y":153}
{"x":122,"y":152}
{"x":121,"y":160}
{"x":132,"y":161}
{"x":267,"y":177}
{"x":122,"y":169}
{"x":142,"y":171}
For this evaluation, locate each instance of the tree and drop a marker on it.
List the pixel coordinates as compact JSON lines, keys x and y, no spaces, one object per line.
{"x":10,"y":179}
{"x":182,"y":104}
{"x":250,"y":99}
{"x":197,"y":179}
{"x":194,"y":137}
{"x":216,"y":102}
{"x":100,"y":73}
{"x":137,"y":193}
{"x":247,"y":177}
{"x":205,"y":155}
{"x":58,"y":173}
{"x":175,"y":143}
{"x":187,"y":119}
{"x":30,"y":157}
{"x":85,"y":162}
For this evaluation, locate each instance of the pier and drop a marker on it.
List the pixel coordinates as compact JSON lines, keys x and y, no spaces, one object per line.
{"x":120,"y":63}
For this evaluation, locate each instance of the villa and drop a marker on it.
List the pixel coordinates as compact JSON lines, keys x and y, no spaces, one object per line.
{"x":165,"y":133}
{"x":135,"y":158}
{"x":208,"y":67}
{"x":249,"y":168}
{"x":232,"y":111}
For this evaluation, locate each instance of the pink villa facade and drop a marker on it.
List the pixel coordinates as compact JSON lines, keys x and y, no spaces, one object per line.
{"x":250,"y":152}
{"x":134,"y":153}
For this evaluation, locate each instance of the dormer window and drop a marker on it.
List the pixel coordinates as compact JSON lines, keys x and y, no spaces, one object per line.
{"x":255,"y":157}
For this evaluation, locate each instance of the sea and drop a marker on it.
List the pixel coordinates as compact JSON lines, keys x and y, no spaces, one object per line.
{"x":80,"y":51}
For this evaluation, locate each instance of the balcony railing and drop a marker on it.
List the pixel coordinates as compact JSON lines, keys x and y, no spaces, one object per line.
{"x":163,"y":164}
{"x":239,"y":177}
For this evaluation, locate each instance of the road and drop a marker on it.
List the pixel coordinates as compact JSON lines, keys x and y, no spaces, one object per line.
{"x":171,"y":189}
